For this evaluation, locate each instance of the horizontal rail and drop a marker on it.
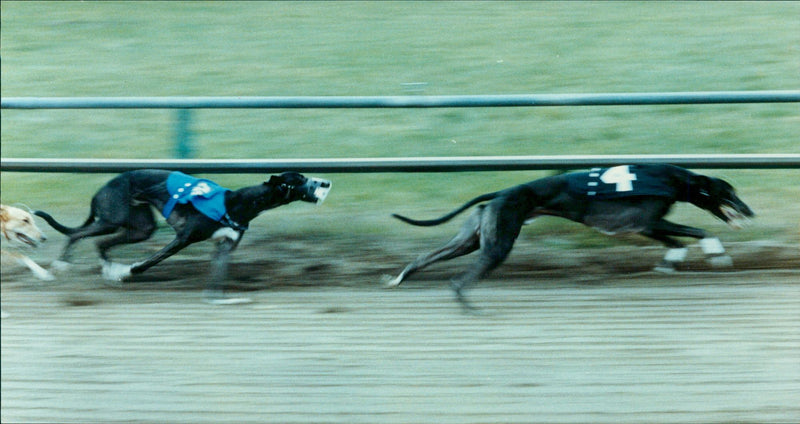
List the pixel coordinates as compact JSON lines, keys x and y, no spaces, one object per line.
{"x":376,"y":165}
{"x":312,"y":102}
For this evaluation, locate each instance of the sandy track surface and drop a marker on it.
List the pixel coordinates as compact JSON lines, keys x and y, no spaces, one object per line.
{"x":564,"y":336}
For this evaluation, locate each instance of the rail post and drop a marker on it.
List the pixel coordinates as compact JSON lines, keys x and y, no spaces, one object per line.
{"x":183,"y":135}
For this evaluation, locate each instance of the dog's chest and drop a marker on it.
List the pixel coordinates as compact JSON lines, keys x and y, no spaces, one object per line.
{"x":206,"y":196}
{"x":618,"y":182}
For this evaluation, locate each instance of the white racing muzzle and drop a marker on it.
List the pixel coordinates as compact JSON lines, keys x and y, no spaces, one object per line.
{"x":316,"y":190}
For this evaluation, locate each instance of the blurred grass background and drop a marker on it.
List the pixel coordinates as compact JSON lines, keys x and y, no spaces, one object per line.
{"x":374,"y":48}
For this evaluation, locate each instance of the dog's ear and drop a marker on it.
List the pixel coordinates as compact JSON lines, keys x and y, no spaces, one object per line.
{"x":5,"y":215}
{"x":274,"y":180}
{"x":702,"y":185}
{"x":288,"y":178}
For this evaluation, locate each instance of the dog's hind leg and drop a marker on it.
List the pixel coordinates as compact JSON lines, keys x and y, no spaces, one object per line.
{"x":114,"y":271}
{"x":118,"y":272}
{"x":140,"y":225}
{"x":500,"y":227}
{"x":97,"y":228}
{"x":466,"y":241}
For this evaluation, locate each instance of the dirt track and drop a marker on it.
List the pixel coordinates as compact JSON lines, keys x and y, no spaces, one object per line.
{"x":566,"y":336}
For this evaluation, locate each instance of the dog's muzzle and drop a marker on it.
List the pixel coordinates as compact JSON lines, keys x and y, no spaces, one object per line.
{"x":316,"y":190}
{"x":736,"y":216}
{"x":24,"y":239}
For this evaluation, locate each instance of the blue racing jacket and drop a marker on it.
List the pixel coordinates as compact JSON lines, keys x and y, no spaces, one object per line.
{"x":206,"y":196}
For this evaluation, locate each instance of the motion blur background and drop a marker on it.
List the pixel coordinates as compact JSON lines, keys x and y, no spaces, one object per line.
{"x":379,"y":48}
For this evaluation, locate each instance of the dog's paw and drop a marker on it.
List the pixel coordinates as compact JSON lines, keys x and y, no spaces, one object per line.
{"x":60,"y":266}
{"x":388,"y":282}
{"x":116,"y":272}
{"x":44,"y":275}
{"x":229,"y":301}
{"x":37,"y":270}
{"x":665,"y":267}
{"x":217,"y":297}
{"x":721,"y":261}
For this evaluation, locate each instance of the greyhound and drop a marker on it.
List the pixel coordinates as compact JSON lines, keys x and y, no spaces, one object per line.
{"x":197,"y":209}
{"x":620,"y":199}
{"x":19,"y":229}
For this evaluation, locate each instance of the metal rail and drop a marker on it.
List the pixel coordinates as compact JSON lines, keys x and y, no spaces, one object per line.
{"x":376,"y":165}
{"x":313,"y":102}
{"x":362,"y":165}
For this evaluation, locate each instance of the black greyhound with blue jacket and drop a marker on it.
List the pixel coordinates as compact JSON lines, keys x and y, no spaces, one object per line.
{"x":198,"y":209}
{"x":620,"y":199}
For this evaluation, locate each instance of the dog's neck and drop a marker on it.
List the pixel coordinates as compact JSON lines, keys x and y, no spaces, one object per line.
{"x":245,"y":204}
{"x":686,"y":186}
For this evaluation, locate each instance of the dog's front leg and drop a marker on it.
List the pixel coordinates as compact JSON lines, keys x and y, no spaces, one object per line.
{"x":711,"y":246}
{"x":219,"y":271}
{"x":215,"y":290}
{"x":715,"y":253}
{"x":37,"y":270}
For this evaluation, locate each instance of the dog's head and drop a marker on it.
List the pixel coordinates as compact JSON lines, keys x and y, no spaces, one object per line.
{"x":296,"y":186}
{"x":18,"y":226}
{"x":719,"y":198}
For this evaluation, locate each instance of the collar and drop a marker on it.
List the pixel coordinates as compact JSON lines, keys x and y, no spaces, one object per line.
{"x":229,"y":222}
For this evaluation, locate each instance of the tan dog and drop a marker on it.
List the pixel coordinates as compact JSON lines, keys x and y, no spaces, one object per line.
{"x":18,"y":227}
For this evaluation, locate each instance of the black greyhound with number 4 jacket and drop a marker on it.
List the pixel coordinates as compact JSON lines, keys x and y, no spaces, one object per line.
{"x":620,"y":199}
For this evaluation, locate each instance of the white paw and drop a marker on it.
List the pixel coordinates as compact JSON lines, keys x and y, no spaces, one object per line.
{"x":43,"y":274}
{"x":722,"y":261}
{"x":711,"y":246}
{"x":229,"y":301}
{"x":37,"y":270}
{"x":389,"y":282}
{"x":60,"y":266}
{"x":116,"y":272}
{"x":665,"y":267}
{"x":213,"y":297}
{"x":218,"y":297}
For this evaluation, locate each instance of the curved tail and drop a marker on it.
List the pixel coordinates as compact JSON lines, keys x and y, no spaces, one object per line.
{"x":449,"y":216}
{"x":62,"y":228}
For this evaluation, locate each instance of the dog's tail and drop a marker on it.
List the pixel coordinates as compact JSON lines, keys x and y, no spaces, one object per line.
{"x":449,"y":216}
{"x":62,"y":228}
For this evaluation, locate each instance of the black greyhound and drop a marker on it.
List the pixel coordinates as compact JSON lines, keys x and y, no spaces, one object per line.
{"x":621,"y":199}
{"x":197,"y":209}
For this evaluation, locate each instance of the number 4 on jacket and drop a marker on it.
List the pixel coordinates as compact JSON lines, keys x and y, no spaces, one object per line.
{"x":621,"y":176}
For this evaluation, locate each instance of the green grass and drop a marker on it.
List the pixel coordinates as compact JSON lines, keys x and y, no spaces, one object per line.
{"x":372,"y":48}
